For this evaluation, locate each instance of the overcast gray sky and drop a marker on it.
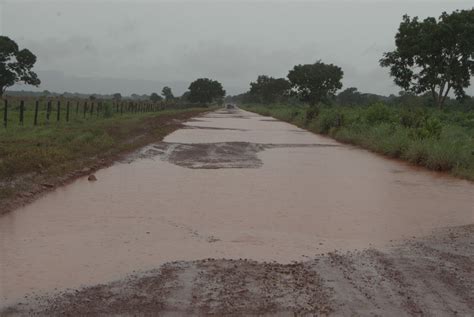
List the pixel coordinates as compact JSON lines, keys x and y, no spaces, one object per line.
{"x":139,"y":46}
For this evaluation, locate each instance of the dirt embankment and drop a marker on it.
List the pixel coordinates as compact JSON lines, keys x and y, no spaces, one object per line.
{"x":26,"y":188}
{"x":433,"y":276}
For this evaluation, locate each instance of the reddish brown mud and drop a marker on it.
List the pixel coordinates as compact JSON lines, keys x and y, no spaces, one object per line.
{"x":240,"y":186}
{"x":432,"y":276}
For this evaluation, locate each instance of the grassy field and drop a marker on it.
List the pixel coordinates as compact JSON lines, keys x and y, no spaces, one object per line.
{"x":43,"y":153}
{"x":437,"y":140}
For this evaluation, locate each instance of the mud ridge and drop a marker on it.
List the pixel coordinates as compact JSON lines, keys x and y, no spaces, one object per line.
{"x":215,"y":155}
{"x":211,"y":128}
{"x":418,"y":277}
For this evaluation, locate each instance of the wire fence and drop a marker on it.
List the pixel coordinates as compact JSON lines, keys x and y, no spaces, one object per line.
{"x":30,"y":111}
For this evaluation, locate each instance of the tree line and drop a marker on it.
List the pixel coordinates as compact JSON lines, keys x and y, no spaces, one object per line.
{"x":16,"y":66}
{"x":432,"y":58}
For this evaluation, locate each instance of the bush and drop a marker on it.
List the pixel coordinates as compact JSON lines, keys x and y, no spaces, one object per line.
{"x":430,"y":128}
{"x":412,"y":118}
{"x":378,"y":113}
{"x":330,"y":119}
{"x":311,"y":114}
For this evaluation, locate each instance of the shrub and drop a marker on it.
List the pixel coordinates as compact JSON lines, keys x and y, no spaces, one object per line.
{"x":412,"y":118}
{"x":431,"y":128}
{"x":378,"y":113}
{"x":311,"y":114}
{"x":330,"y":119}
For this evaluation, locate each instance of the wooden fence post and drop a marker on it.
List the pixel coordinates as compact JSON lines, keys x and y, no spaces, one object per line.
{"x":92,"y":108}
{"x":5,"y":113}
{"x":67,"y":111}
{"x":58,"y":113}
{"x":36,"y":112}
{"x":77,"y":107}
{"x":22,"y":111}
{"x":85,"y":108}
{"x":48,"y":110}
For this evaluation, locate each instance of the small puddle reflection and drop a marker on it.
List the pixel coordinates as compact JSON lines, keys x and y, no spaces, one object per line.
{"x":298,"y":201}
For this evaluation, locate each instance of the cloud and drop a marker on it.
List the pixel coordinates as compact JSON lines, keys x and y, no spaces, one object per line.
{"x":137,"y":45}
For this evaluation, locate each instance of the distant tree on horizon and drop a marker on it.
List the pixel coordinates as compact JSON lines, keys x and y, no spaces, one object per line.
{"x":350,"y":96}
{"x":268,"y":89}
{"x":205,"y":90}
{"x":155,"y":97}
{"x":15,"y":65}
{"x":117,"y":96}
{"x":434,"y":55}
{"x":167,"y":93}
{"x":314,"y":83}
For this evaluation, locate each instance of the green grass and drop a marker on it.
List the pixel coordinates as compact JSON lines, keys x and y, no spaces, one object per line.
{"x":437,"y":140}
{"x":45,"y":153}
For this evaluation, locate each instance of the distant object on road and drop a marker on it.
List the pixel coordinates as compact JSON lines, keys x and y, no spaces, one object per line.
{"x":230,"y":106}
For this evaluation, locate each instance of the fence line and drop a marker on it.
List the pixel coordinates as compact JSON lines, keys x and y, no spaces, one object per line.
{"x":31,"y":108}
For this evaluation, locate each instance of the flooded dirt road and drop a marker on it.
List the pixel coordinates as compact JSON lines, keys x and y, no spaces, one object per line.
{"x":230,"y":185}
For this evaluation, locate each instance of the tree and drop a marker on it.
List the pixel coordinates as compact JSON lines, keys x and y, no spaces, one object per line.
{"x":117,"y":96}
{"x":434,"y":56}
{"x":268,"y":89}
{"x":185,"y":96}
{"x":350,"y":96}
{"x":15,"y":65}
{"x":167,"y":93}
{"x":316,"y":82}
{"x":205,"y":90}
{"x":155,"y":97}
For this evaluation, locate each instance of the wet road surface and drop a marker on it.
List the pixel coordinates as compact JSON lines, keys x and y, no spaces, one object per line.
{"x":229,"y":185}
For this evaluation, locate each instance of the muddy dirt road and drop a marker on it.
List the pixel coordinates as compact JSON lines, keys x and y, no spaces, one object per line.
{"x":236,"y":185}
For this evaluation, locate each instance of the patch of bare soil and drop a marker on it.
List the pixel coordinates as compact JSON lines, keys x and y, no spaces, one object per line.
{"x":432,"y":276}
{"x":215,"y":155}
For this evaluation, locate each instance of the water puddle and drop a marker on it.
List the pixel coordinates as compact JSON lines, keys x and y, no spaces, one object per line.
{"x":223,"y":187}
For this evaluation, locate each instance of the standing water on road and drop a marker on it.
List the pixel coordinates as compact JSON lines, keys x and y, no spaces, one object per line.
{"x":228,"y":185}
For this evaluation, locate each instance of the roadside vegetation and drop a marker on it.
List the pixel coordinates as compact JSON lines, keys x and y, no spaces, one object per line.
{"x":36,"y":158}
{"x":423,"y":125}
{"x":438,"y":140}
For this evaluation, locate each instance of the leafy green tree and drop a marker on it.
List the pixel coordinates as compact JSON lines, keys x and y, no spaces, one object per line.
{"x":167,"y":93}
{"x":268,"y":89}
{"x":350,"y":96}
{"x":155,"y":97}
{"x":316,"y":82}
{"x":434,"y":56}
{"x":15,"y":65}
{"x":185,"y":96}
{"x":205,"y":90}
{"x":117,"y":96}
